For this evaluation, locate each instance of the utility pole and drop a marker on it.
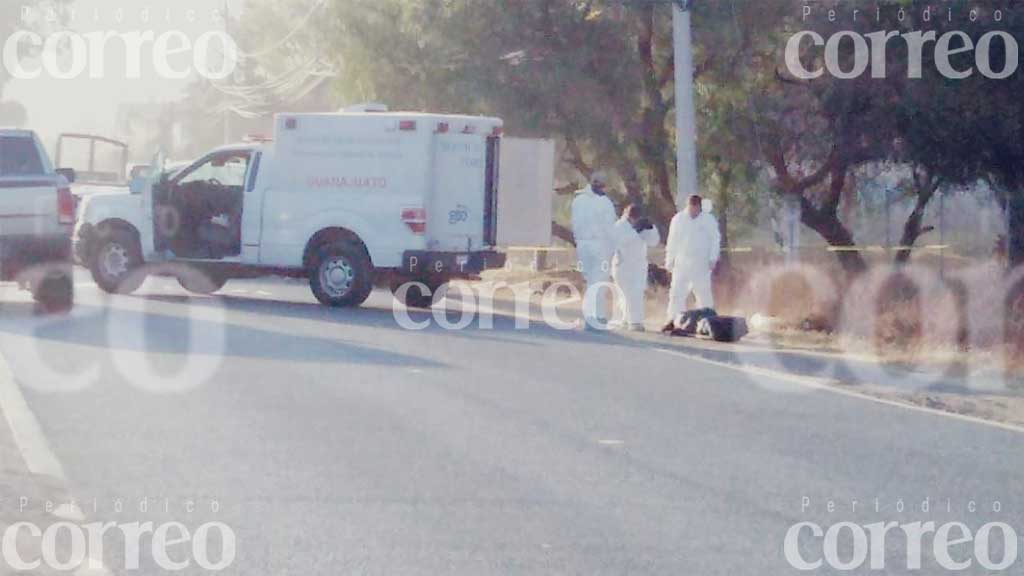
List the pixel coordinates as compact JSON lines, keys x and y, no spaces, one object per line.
{"x":942,"y":234}
{"x":227,"y":109}
{"x":687,"y":176}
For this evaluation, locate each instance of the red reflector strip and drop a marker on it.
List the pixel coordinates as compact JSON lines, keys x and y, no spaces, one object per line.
{"x":409,"y":214}
{"x":407,"y":125}
{"x":65,"y":206}
{"x":415,"y":219}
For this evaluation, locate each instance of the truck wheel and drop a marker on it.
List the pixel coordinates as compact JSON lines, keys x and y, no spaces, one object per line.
{"x":117,"y":262}
{"x":341,"y":275}
{"x":414,"y":297}
{"x":198,"y":283}
{"x":55,"y":293}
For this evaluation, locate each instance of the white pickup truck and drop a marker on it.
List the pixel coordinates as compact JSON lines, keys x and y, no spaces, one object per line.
{"x":348,"y":200}
{"x":36,"y":218}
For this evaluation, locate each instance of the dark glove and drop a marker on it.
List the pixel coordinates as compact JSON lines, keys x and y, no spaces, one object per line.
{"x":643,"y":224}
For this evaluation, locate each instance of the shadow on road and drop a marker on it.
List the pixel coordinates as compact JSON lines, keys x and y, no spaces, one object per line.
{"x":504,"y":325}
{"x":157,"y":333}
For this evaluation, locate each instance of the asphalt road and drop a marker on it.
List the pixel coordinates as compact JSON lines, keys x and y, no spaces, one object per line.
{"x":336,"y":442}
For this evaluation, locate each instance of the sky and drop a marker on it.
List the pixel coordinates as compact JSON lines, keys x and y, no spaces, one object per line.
{"x":86,"y":104}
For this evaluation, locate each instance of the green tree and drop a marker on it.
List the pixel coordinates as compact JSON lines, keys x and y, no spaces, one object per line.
{"x":965,"y":130}
{"x":599,"y":75}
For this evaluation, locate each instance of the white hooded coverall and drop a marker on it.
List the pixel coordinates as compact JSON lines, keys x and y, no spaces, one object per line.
{"x":691,"y":252}
{"x":629,"y":268}
{"x":593,"y":217}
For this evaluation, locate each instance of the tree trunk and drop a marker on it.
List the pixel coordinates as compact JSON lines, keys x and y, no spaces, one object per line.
{"x":1015,"y":235}
{"x":824,"y":220}
{"x":651,"y":134}
{"x":723,"y":214}
{"x":827,"y":224}
{"x":912,"y":229}
{"x":562,"y":233}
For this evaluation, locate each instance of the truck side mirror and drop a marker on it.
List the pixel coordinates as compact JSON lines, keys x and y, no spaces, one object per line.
{"x":67,"y":173}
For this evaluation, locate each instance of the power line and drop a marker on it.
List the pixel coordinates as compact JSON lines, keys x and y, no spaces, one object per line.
{"x":284,"y":40}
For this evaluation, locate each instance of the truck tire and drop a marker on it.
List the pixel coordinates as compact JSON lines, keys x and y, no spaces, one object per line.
{"x":117,"y":262}
{"x":414,"y":297}
{"x":55,"y":293}
{"x":341,"y":275}
{"x":197,"y":282}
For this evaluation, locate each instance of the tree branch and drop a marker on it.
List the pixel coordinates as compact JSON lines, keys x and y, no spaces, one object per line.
{"x":576,"y":157}
{"x":562,"y":233}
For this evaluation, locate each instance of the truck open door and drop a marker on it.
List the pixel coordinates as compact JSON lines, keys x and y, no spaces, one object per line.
{"x":256,"y":187}
{"x":154,"y":178}
{"x":526,"y":192}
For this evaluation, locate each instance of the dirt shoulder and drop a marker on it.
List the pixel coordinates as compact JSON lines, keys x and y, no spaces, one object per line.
{"x":957,"y":385}
{"x":977,"y":383}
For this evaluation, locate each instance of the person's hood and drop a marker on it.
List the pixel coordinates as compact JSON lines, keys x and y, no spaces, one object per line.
{"x":589,"y":191}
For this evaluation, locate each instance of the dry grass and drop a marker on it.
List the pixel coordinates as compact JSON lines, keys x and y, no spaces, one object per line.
{"x":908,"y":315}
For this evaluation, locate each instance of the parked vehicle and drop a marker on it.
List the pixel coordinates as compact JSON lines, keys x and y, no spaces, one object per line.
{"x":346,"y":199}
{"x":36,"y":219}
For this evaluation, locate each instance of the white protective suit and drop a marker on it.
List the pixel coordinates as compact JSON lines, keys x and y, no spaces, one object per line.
{"x":593,"y":218}
{"x":691,"y":252}
{"x":629,"y":268}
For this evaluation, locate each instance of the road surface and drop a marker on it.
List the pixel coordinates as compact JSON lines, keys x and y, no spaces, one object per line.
{"x":336,"y":442}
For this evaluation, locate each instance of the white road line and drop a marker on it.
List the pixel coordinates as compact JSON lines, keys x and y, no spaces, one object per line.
{"x":824,"y":386}
{"x":28,"y":435}
{"x":39,"y":458}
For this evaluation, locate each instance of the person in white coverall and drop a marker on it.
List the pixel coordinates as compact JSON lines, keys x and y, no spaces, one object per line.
{"x":691,"y":254}
{"x":634,"y":234}
{"x":593,"y":220}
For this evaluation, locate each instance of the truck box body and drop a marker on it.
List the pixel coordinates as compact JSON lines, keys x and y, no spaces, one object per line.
{"x":386,"y":174}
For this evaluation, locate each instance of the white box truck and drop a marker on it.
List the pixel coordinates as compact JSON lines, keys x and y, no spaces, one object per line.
{"x":349,"y":199}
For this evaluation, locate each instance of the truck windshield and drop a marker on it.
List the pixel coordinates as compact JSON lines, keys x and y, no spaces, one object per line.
{"x":19,"y":157}
{"x":226,"y":170}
